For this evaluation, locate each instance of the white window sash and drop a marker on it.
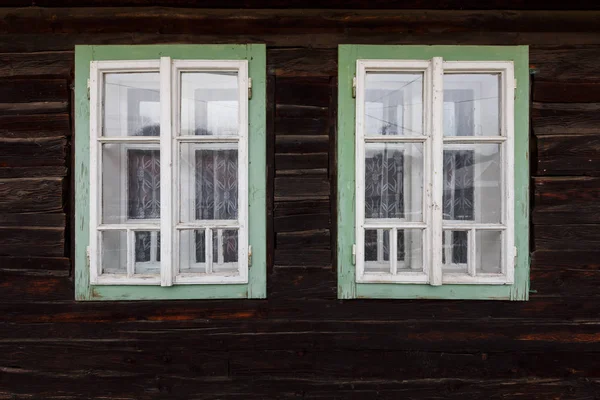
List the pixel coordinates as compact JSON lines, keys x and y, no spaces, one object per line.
{"x":433,"y":141}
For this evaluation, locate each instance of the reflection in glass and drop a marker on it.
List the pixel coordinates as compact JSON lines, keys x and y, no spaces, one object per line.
{"x":131,"y":104}
{"x":455,"y":251}
{"x":471,"y":104}
{"x":377,"y":252}
{"x":409,"y":250}
{"x":393,"y":104}
{"x":394,"y":181}
{"x":489,"y":251}
{"x":209,"y":103}
{"x":146,"y":252}
{"x":113,"y":245}
{"x":225,"y":250}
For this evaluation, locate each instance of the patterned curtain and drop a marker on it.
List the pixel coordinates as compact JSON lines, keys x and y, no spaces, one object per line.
{"x":144,"y":184}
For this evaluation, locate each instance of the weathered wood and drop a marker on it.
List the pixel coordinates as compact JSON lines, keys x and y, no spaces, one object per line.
{"x":565,"y":64}
{"x":302,"y":215}
{"x":36,"y":265}
{"x":301,"y":126}
{"x":16,"y":90}
{"x":299,"y":240}
{"x":30,"y":219}
{"x":304,"y":62}
{"x":566,"y":92}
{"x":569,"y":200}
{"x":301,"y":188}
{"x":33,"y":152}
{"x":31,"y":195}
{"x":288,"y":161}
{"x":33,"y":108}
{"x":309,"y":256}
{"x":38,"y":65}
{"x":32,"y":241}
{"x":560,"y":119}
{"x":566,"y":237}
{"x":302,"y":144}
{"x":33,"y":126}
{"x":566,"y":273}
{"x":568,"y":155}
{"x":32,"y":172}
{"x":311,"y":91}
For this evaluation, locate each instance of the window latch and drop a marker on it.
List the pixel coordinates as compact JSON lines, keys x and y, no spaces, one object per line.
{"x":249,"y":88}
{"x":249,"y":256}
{"x":354,"y":87}
{"x":353,"y":254}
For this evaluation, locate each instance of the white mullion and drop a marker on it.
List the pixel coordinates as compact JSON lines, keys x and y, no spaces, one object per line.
{"x":220,"y":258}
{"x":507,"y":160}
{"x":395,"y":139}
{"x":393,"y":251}
{"x":380,"y":245}
{"x":437,"y":115}
{"x":461,"y":225}
{"x":207,"y":139}
{"x":166,"y":183}
{"x":376,"y":223}
{"x":95,"y":177}
{"x":208,"y":257}
{"x":130,"y":139}
{"x":474,"y":139}
{"x":472,"y":253}
{"x":130,"y":248}
{"x":360,"y":169}
{"x":153,"y":245}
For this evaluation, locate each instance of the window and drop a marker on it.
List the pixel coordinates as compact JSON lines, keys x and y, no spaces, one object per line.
{"x":170,"y":162}
{"x":435,"y":145}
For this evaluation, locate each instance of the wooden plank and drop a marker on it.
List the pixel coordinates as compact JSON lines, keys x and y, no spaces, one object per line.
{"x":308,"y":284}
{"x":35,"y":126}
{"x":566,"y":92}
{"x":292,"y":188}
{"x":561,"y":119}
{"x":304,"y":215}
{"x":301,"y":126}
{"x":33,"y":108}
{"x":43,"y":64}
{"x":317,"y":238}
{"x":565,"y":64}
{"x":309,"y":91}
{"x":289,"y":161}
{"x":566,"y":273}
{"x":32,"y":172}
{"x":31,"y":195}
{"x":32,"y":241}
{"x":307,"y":257}
{"x":566,"y":237}
{"x":568,"y":155}
{"x":302,"y":62}
{"x":18,"y":90}
{"x":568,"y":200}
{"x":36,"y":265}
{"x":33,"y":152}
{"x":33,"y":219}
{"x":301,"y":144}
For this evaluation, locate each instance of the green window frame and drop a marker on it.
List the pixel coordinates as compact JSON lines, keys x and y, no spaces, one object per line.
{"x":255,"y":284}
{"x":352,"y":59}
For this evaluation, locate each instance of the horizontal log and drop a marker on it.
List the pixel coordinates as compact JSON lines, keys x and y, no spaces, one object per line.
{"x":33,"y":152}
{"x":566,"y":92}
{"x":32,"y":195}
{"x":36,"y":265}
{"x":290,"y":216}
{"x":567,"y":237}
{"x":303,"y":91}
{"x":33,"y":108}
{"x":33,"y":219}
{"x":561,"y":119}
{"x":292,"y":188}
{"x":568,"y":155}
{"x":566,"y":200}
{"x":30,"y":288}
{"x":302,"y":62}
{"x":17,"y":90}
{"x":35,"y":126}
{"x":560,"y":273}
{"x":289,"y":161}
{"x":32,"y":241}
{"x":38,"y":65}
{"x":302,"y":144}
{"x":313,"y":256}
{"x":301,"y":126}
{"x":317,"y":238}
{"x":565,"y":64}
{"x":585,"y":259}
{"x":32,"y":172}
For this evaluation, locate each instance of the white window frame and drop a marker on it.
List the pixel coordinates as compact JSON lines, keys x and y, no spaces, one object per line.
{"x":169,"y":141}
{"x":433,"y":142}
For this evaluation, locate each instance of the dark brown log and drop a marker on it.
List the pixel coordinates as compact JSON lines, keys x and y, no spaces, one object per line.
{"x":561,"y":119}
{"x":567,"y":237}
{"x":308,"y":284}
{"x":32,"y":241}
{"x":571,"y":200}
{"x":32,"y":172}
{"x":308,"y":256}
{"x":565,"y":64}
{"x":58,"y":266}
{"x":291,"y":188}
{"x":33,"y":108}
{"x":310,"y":91}
{"x":301,"y":126}
{"x":33,"y":152}
{"x":33,"y":126}
{"x":566,"y":273}
{"x":31,"y":195}
{"x":568,"y":155}
{"x":38,"y":65}
{"x":32,"y":90}
{"x":566,"y":92}
{"x":301,"y":161}
{"x":293,"y":216}
{"x":43,"y":220}
{"x":301,"y":144}
{"x":302,"y":62}
{"x":299,"y":240}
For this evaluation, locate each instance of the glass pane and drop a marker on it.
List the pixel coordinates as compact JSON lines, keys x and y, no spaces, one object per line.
{"x":377,"y":253}
{"x":393,"y":104}
{"x":130,"y":183}
{"x":455,"y":251}
{"x":146,"y":252}
{"x":394,"y":181}
{"x":409,"y":250}
{"x":192,"y":251}
{"x":472,"y":105}
{"x":209,"y":183}
{"x":472,"y":183}
{"x":489,"y":251}
{"x":225,"y":250}
{"x":113,"y":252}
{"x":209,"y":103}
{"x":131,"y":104}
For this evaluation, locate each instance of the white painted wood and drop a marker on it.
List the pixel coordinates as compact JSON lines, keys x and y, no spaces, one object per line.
{"x":94,"y":177}
{"x":393,"y":251}
{"x":166,"y":182}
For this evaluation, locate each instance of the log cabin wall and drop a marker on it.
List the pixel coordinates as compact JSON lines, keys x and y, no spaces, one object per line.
{"x":300,"y":343}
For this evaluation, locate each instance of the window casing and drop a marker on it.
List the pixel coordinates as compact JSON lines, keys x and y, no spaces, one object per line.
{"x":434,"y":178}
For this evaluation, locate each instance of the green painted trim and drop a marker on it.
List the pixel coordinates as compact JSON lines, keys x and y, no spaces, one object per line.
{"x":347,"y":286}
{"x":257,"y":219}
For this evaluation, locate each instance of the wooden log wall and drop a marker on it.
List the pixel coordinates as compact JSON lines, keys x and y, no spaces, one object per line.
{"x":300,"y":343}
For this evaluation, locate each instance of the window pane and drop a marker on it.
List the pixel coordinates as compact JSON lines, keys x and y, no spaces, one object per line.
{"x":394,"y":181}
{"x":131,"y":104}
{"x":472,"y":183}
{"x":146,"y":252}
{"x":192,"y":251}
{"x":489,"y":251}
{"x":472,"y":104}
{"x":209,"y":103}
{"x":455,"y":251}
{"x":113,"y":251}
{"x":393,"y":104}
{"x":225,"y":250}
{"x":130,"y":183}
{"x":377,"y":250}
{"x":409,"y":250}
{"x":209,"y":183}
